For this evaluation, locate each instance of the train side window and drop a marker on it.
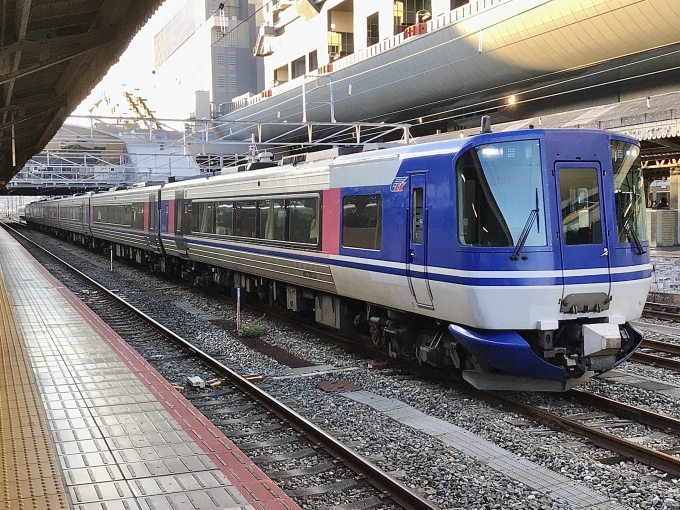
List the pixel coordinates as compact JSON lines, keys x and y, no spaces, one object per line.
{"x":204,"y":220}
{"x":580,"y":199}
{"x":224,"y":219}
{"x":245,"y":219}
{"x":362,"y":222}
{"x":272,"y":219}
{"x":138,"y":217}
{"x":417,"y":216}
{"x":303,"y":220}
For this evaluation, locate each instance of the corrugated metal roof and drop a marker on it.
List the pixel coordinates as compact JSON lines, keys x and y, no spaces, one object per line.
{"x":52,"y":53}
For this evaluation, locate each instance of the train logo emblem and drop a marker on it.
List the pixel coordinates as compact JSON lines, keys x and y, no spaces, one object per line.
{"x":398,"y":184}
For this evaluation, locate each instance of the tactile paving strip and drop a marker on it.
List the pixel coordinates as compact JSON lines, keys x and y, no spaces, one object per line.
{"x":29,"y":473}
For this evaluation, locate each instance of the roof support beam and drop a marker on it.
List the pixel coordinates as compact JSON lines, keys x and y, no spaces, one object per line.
{"x":23,"y":9}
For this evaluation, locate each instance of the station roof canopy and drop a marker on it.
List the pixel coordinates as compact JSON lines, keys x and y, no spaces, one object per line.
{"x":52,"y":54}
{"x":654,"y":121}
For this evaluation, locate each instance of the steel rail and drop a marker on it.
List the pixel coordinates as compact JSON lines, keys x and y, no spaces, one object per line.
{"x":646,"y":417}
{"x":661,"y":346}
{"x":657,"y":361}
{"x":653,"y":458}
{"x":397,"y":491}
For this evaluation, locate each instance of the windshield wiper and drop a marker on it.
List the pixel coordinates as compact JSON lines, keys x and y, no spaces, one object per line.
{"x":533,"y":216}
{"x":636,"y":240}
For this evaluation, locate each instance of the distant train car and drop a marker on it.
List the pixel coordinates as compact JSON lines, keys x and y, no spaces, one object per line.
{"x":74,"y":215}
{"x":126,"y":220}
{"x":517,"y":257}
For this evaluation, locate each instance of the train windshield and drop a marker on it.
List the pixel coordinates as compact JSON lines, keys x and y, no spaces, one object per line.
{"x":629,"y":192}
{"x":500,"y":193}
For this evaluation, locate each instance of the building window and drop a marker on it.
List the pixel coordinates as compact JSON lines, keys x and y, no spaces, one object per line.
{"x":219,"y":35}
{"x":372,"y":30}
{"x":219,"y":58}
{"x":313,"y":61}
{"x":232,"y":83}
{"x":458,"y":3}
{"x":221,"y":81}
{"x":298,"y":67}
{"x":231,"y":38}
{"x":232,"y":59}
{"x":405,"y":13}
{"x":362,"y":222}
{"x":340,"y":44}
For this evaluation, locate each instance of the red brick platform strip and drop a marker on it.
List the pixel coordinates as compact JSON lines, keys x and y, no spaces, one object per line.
{"x":255,"y":486}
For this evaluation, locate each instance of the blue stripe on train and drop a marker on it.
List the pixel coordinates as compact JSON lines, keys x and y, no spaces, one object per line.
{"x":464,"y":280}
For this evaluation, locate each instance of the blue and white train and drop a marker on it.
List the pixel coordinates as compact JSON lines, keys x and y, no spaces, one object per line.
{"x":518,"y":257}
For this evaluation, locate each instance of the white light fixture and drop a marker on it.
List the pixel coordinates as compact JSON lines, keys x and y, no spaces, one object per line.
{"x":512,"y":99}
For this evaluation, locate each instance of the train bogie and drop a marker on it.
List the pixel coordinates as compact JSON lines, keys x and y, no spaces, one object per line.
{"x":517,"y":257}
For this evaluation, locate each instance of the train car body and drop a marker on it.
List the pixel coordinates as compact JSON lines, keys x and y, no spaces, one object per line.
{"x":516,"y":257}
{"x":127,"y":220}
{"x":74,"y":215}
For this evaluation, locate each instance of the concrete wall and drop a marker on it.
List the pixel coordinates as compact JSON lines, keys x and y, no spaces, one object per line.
{"x":662,"y":227}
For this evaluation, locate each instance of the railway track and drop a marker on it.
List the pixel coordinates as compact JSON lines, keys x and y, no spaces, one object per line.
{"x":662,"y":311}
{"x":626,"y":449}
{"x":234,"y":406}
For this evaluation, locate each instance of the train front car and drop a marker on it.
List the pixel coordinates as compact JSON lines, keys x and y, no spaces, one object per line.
{"x":553,"y":256}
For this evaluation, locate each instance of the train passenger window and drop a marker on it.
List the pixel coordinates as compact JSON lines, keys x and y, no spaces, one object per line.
{"x":362,"y":222}
{"x":499,"y":186}
{"x":138,"y":217}
{"x":417,"y":216}
{"x":245,"y":219}
{"x":127,"y":216}
{"x":224,"y":218}
{"x":204,"y":220}
{"x":272,"y":219}
{"x":303,"y":220}
{"x":580,"y":199}
{"x":629,"y":192}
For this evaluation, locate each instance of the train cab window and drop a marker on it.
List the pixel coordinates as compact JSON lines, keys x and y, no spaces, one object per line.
{"x":245,"y":219}
{"x":499,"y":188}
{"x":303,"y":220}
{"x":204,"y":217}
{"x":224,"y":218}
{"x":362,"y":222}
{"x":580,"y":199}
{"x":272,"y":219}
{"x":629,"y":192}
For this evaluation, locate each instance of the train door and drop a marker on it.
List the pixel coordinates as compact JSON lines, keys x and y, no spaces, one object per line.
{"x":151,"y":208}
{"x":416,"y":263}
{"x":583,"y":236}
{"x":182,"y":219}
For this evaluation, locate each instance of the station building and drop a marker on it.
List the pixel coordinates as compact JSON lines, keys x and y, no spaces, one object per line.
{"x":203,"y":55}
{"x":440,"y":65}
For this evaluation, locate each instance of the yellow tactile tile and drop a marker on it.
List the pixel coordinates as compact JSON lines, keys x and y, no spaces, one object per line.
{"x":29,"y":474}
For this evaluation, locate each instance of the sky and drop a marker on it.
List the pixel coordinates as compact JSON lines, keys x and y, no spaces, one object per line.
{"x":133,"y":73}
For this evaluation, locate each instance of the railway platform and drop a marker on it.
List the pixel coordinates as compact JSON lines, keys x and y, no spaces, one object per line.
{"x":87,"y":424}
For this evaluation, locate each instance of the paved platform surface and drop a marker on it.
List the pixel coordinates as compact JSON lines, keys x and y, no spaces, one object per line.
{"x":86,"y":423}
